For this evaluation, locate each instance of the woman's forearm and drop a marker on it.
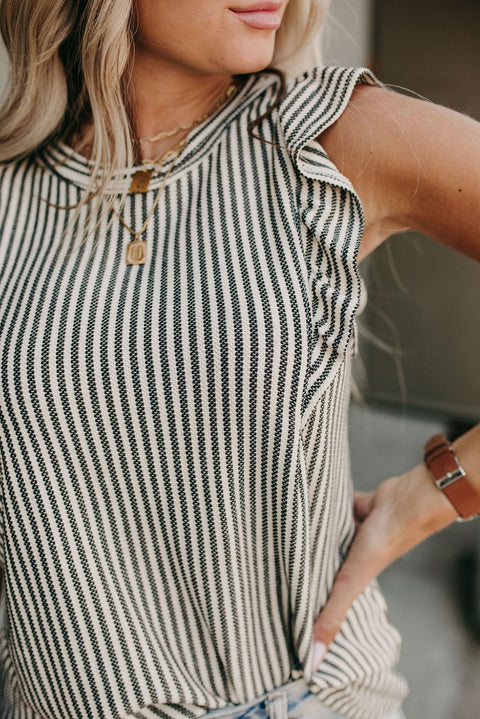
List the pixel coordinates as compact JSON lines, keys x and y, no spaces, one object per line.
{"x":467,"y":448}
{"x":417,"y":495}
{"x":402,"y":512}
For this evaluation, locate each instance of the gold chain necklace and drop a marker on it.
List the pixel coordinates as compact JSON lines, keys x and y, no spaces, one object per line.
{"x":136,"y":253}
{"x":175,"y":130}
{"x":141,"y":178}
{"x":137,"y":248}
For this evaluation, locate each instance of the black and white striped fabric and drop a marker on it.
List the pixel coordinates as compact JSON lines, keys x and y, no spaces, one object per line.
{"x":175,"y":490}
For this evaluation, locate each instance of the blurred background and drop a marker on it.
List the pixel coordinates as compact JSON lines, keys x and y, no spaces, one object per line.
{"x":418,"y":369}
{"x":417,"y":372}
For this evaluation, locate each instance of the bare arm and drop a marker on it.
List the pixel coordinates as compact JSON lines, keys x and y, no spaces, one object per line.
{"x":391,"y":520}
{"x":414,"y":164}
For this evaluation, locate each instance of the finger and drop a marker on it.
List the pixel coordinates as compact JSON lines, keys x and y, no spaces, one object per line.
{"x":363,"y":504}
{"x":354,"y":575}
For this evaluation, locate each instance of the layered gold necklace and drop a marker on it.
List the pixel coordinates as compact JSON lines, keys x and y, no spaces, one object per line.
{"x":136,"y":253}
{"x":137,"y":248}
{"x":141,"y":178}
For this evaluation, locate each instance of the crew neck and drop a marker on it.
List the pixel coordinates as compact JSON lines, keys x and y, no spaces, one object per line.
{"x":76,"y":168}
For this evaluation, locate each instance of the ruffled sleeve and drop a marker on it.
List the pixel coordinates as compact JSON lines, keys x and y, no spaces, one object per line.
{"x":330,"y":213}
{"x":2,"y":524}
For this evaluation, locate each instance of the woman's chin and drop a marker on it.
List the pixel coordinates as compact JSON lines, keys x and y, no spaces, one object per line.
{"x":248,"y":63}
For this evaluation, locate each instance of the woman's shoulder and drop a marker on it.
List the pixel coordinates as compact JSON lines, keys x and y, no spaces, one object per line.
{"x":10,"y":168}
{"x":315,"y":99}
{"x":18,"y":182}
{"x":334,"y":79}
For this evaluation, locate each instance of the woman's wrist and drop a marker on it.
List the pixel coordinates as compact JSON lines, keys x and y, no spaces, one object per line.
{"x":467,"y":449}
{"x":451,"y":477}
{"x":442,"y":512}
{"x":432,"y":507}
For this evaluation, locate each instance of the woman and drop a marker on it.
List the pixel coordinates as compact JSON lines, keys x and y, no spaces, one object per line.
{"x":177,"y":507}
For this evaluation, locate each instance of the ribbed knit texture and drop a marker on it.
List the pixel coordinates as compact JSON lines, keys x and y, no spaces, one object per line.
{"x":176,"y":496}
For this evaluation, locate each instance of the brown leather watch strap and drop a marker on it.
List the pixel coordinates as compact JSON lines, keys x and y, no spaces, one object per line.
{"x":450,"y":476}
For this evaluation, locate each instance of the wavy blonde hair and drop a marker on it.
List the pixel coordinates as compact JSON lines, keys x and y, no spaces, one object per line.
{"x":71,"y":62}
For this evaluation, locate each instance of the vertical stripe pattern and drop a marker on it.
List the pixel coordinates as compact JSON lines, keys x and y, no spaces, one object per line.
{"x":175,"y":493}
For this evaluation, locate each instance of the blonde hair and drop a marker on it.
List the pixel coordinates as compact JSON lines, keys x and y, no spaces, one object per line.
{"x":71,"y":62}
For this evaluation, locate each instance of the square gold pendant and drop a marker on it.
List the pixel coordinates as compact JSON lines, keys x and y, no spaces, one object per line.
{"x":141,"y":181}
{"x":136,"y":252}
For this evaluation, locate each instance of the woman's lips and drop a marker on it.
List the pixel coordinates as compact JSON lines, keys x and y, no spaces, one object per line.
{"x":260,"y":19}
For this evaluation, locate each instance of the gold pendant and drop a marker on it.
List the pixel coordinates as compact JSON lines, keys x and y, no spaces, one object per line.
{"x":141,"y":180}
{"x":136,"y":252}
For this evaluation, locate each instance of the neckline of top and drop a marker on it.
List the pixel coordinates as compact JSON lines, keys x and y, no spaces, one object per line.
{"x":76,"y":168}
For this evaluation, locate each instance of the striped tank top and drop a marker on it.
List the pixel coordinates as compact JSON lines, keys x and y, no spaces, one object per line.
{"x":175,"y":488}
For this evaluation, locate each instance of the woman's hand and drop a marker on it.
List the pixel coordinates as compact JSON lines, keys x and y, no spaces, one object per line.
{"x":389,"y":521}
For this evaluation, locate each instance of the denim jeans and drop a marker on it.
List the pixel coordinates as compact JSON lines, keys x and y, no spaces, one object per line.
{"x":292,"y":700}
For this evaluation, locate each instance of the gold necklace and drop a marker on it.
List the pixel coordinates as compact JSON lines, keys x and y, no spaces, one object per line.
{"x":137,"y":248}
{"x":175,"y":130}
{"x":141,"y":178}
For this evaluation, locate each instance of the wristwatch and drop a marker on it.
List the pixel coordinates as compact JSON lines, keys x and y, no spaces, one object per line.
{"x":449,"y":476}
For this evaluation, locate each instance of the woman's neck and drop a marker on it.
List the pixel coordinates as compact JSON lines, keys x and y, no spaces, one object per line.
{"x":162,"y":98}
{"x":165,"y":95}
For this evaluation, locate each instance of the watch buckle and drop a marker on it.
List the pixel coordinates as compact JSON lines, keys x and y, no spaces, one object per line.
{"x":450,"y":477}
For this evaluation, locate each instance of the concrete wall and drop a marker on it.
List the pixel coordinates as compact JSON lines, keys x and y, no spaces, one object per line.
{"x":348,"y":34}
